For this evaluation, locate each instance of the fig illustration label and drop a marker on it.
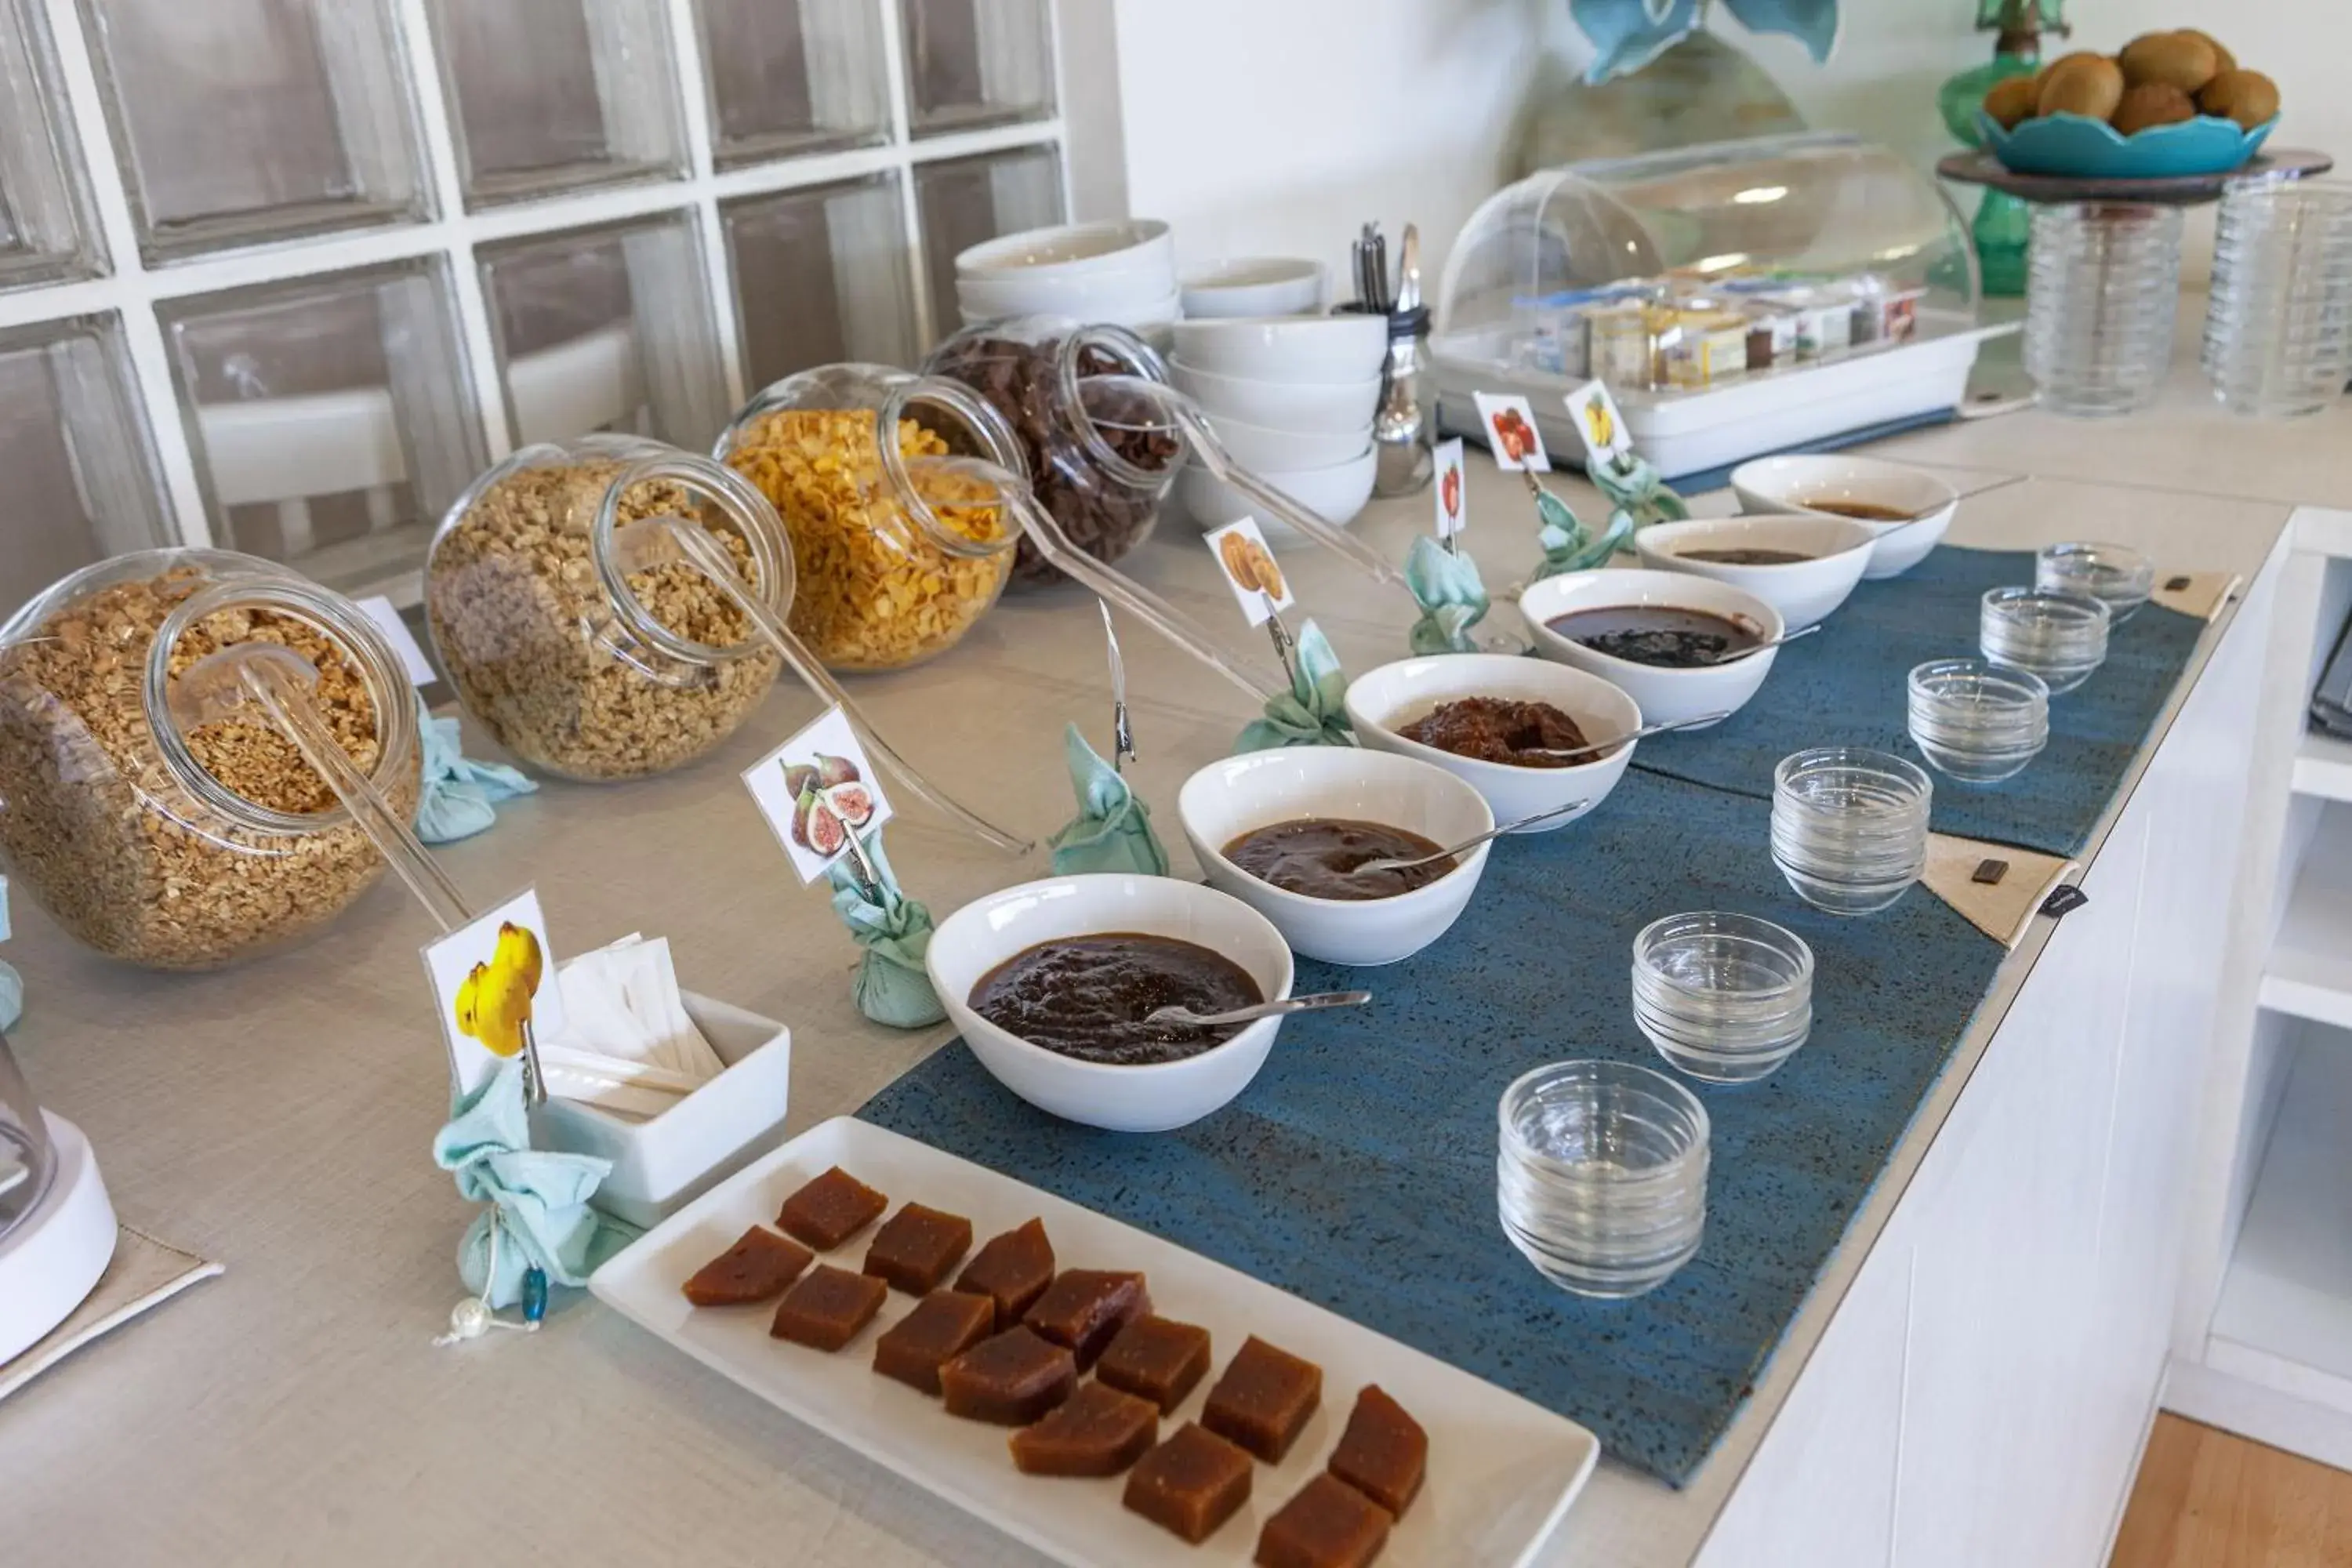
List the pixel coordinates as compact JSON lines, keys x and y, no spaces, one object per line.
{"x":1511,"y":432}
{"x":815,"y":790}
{"x":1599,"y":422}
{"x":492,"y":979}
{"x":1452,"y":505}
{"x":1250,"y":571}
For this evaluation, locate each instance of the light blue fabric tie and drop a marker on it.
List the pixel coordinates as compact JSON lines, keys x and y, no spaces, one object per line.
{"x":1629,"y":34}
{"x":1567,"y":544}
{"x":891,"y":985}
{"x":1635,"y":489}
{"x":1112,"y":831}
{"x":12,"y":984}
{"x":538,"y":1199}
{"x":461,"y":795}
{"x":1452,"y":598}
{"x":1314,"y":712}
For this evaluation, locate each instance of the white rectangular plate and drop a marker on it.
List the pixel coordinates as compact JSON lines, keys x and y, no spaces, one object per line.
{"x":1502,"y":1471}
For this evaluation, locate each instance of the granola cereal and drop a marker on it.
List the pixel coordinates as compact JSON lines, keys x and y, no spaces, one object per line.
{"x":538,"y":653}
{"x":874,"y":592}
{"x":96,"y":825}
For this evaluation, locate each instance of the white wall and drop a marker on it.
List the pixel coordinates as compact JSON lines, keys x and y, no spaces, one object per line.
{"x":1281,"y":125}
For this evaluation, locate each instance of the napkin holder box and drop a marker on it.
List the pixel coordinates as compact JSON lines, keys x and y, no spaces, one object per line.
{"x":662,"y":1164}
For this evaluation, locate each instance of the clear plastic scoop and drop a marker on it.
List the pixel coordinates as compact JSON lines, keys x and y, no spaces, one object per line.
{"x":1013,"y":494}
{"x":1135,"y":404}
{"x":656,"y":541}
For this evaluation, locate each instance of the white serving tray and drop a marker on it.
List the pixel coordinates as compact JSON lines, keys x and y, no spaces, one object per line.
{"x":1502,"y":1471}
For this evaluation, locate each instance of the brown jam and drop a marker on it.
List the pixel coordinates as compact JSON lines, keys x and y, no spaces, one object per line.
{"x":1865,"y":510}
{"x":1500,"y":729}
{"x":1317,"y":856}
{"x":1085,"y":996}
{"x":1745,"y":555}
{"x":1657,"y":635}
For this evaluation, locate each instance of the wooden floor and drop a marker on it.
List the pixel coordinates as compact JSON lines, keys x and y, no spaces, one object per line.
{"x":2207,"y":1499}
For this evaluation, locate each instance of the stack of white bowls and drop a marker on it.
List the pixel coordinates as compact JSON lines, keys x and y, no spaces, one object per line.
{"x":1292,"y":398}
{"x":1122,"y":272}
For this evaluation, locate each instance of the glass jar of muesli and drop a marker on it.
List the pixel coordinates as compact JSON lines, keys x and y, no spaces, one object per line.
{"x":580,"y":662}
{"x":189,"y":846}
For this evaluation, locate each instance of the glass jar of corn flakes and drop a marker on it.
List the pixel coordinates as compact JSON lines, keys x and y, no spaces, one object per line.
{"x":584,"y":643}
{"x":895,"y":561}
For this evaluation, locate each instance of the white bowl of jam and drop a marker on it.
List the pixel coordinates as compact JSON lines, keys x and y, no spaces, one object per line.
{"x":1672,"y":639}
{"x":1288,"y":831}
{"x":1049,"y":983}
{"x":1803,"y":564}
{"x":1869,"y":491}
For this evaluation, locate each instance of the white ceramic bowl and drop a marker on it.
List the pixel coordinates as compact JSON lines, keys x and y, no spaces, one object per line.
{"x":1258,"y":789}
{"x":1666,"y":696}
{"x":1274,"y":451}
{"x":1382,"y":700}
{"x":1089,"y":296}
{"x":1254,"y":286}
{"x":1286,"y":348}
{"x":1803,"y":591}
{"x":1149,"y":1098}
{"x":1800,"y":483}
{"x":1329,"y":408}
{"x":1069,"y":250}
{"x":1335,"y":494}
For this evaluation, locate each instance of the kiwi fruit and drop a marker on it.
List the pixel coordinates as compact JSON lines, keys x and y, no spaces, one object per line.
{"x":2247,"y":97}
{"x":2152,"y":104}
{"x":2010,"y":101}
{"x":2185,"y":60}
{"x":2048,"y":65}
{"x":2224,"y":60}
{"x":2090,"y":86}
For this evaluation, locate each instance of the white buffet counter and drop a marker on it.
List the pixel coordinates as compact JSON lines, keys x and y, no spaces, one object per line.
{"x":1970,"y":1385}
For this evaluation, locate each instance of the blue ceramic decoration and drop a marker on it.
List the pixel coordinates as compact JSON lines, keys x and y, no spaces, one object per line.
{"x":2077,"y":147}
{"x":1629,"y":34}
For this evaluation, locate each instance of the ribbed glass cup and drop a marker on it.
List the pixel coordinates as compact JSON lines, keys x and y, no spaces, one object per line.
{"x":2278,"y":317}
{"x":1725,"y":997}
{"x":2116,"y":574}
{"x":1600,"y":1176}
{"x":2102,"y":284}
{"x":1978,"y":722}
{"x":2058,"y":635}
{"x":1850,"y":826}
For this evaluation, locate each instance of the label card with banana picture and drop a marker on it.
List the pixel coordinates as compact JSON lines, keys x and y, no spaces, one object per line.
{"x":491,"y":980}
{"x":1599,"y":422}
{"x":1511,"y":433}
{"x":815,"y":790}
{"x":1250,"y":571}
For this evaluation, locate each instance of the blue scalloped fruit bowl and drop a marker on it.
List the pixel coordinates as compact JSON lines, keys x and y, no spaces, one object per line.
{"x":2077,"y":147}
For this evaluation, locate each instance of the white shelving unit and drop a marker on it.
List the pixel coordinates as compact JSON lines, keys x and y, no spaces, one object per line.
{"x":2323,"y":767}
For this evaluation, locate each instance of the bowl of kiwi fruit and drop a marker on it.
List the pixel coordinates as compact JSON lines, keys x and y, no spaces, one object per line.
{"x":2168,"y":104}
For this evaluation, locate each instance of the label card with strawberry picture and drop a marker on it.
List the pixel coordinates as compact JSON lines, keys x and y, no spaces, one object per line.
{"x":1453,"y":504}
{"x":492,"y":979}
{"x":1599,"y":422}
{"x":815,"y":790}
{"x":1250,"y":571}
{"x":1511,"y":432}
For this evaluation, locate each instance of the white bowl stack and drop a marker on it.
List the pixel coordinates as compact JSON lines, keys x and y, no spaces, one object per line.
{"x":1122,"y":272}
{"x":1292,"y":397}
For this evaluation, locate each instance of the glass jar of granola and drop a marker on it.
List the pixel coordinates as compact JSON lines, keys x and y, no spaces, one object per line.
{"x":583,"y":660}
{"x":188,"y":846}
{"x":895,"y":561}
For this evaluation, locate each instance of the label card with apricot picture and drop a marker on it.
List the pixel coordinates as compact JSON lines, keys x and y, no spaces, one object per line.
{"x":1599,"y":422}
{"x":1250,"y":571}
{"x":815,"y":790}
{"x":1511,"y":432}
{"x":1453,"y":501}
{"x":491,"y":979}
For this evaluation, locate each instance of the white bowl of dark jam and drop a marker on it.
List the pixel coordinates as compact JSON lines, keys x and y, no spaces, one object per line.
{"x":1048,"y":981}
{"x":1672,"y":640}
{"x":1287,"y":832}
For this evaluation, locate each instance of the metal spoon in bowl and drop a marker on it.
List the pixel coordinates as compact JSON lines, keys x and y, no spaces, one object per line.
{"x":1733,"y":654}
{"x":1309,"y":1003}
{"x":1396,"y":863}
{"x":1643,"y":734}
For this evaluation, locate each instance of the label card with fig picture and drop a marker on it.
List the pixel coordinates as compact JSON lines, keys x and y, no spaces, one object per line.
{"x":1250,"y":571}
{"x":1453,"y":502}
{"x":1600,"y":422}
{"x":491,"y":977}
{"x":815,"y":790}
{"x":1511,"y":432}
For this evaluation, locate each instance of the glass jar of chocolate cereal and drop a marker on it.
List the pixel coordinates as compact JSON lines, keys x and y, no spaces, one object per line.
{"x":189,"y":845}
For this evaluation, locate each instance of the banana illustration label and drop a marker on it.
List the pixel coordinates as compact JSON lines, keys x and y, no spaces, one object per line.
{"x":493,"y":979}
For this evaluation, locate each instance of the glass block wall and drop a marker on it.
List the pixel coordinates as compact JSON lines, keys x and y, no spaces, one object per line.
{"x":283,"y":275}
